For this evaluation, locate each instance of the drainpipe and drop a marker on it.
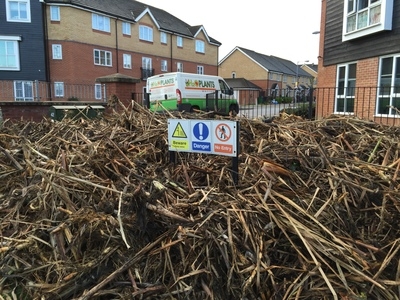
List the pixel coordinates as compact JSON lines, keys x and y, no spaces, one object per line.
{"x":116,"y":43}
{"x":46,"y":47}
{"x":171,"y":53}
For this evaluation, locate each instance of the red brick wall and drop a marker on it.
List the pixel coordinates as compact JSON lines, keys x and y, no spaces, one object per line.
{"x":25,"y":112}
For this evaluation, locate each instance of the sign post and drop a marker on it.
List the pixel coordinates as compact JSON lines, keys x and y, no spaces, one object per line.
{"x":218,"y":137}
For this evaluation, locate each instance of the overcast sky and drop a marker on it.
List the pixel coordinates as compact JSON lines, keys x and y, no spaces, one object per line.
{"x":282,"y":28}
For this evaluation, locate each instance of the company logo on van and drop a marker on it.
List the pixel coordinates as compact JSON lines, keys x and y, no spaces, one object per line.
{"x":199,"y":83}
{"x":162,"y":82}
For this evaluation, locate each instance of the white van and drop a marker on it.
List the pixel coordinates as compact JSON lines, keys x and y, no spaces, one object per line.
{"x":190,"y":92}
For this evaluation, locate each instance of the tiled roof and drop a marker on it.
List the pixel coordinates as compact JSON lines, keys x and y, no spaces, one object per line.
{"x":314,"y":67}
{"x":274,"y":64}
{"x":241,"y":83}
{"x":130,"y":10}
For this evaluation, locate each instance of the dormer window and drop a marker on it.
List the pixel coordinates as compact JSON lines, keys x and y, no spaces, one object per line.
{"x":365,"y":17}
{"x":145,"y":33}
{"x":200,"y":46}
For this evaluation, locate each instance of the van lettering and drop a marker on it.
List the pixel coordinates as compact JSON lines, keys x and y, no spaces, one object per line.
{"x":206,"y":84}
{"x":162,"y":82}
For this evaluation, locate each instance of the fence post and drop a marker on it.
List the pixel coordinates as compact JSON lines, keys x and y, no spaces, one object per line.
{"x":310,"y":102}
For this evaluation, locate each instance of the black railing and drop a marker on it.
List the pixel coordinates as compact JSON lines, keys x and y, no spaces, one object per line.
{"x":27,"y":91}
{"x":146,"y":73}
{"x":378,"y":104}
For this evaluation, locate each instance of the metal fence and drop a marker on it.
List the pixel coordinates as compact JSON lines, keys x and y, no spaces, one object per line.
{"x":21,"y":90}
{"x":378,"y":104}
{"x":381,"y":105}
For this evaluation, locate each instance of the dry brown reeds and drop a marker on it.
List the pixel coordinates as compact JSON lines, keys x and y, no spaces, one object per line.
{"x":94,"y":209}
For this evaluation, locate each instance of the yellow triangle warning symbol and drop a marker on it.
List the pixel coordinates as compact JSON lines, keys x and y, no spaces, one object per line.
{"x":179,"y":132}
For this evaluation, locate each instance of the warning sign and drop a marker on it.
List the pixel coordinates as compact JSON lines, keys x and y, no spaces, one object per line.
{"x":223,"y":132}
{"x":179,"y":132}
{"x":203,"y":136}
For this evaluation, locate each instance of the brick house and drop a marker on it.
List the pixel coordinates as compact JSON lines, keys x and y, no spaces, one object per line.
{"x":91,"y":49}
{"x":274,"y":75}
{"x":359,"y":62}
{"x":99,"y":38}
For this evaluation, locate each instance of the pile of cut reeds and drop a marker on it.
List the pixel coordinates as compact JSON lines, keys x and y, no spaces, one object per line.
{"x":94,"y":209}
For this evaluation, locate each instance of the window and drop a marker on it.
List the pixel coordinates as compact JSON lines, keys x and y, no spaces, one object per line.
{"x":200,"y":46}
{"x":101,"y":23}
{"x":59,"y":89}
{"x":127,"y":58}
{"x":23,"y":90}
{"x":97,"y":91}
{"x":163,"y":37}
{"x":223,"y":87}
{"x":57,"y":51}
{"x":364,"y":17}
{"x":346,"y":83}
{"x":179,"y":67}
{"x":18,"y":10}
{"x":102,"y":58}
{"x":200,"y":70}
{"x":164,"y":65}
{"x":179,"y":41}
{"x":233,"y":74}
{"x":145,"y":33}
{"x":54,"y":13}
{"x":126,"y":28}
{"x":389,"y":86}
{"x":9,"y":53}
{"x":284,"y":78}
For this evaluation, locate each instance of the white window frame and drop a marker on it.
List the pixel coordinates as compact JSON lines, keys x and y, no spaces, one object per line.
{"x":163,"y":37}
{"x":346,"y":91}
{"x":358,"y":21}
{"x":59,"y":89}
{"x":389,"y":93}
{"x":200,"y":70}
{"x":101,"y":23}
{"x":103,"y":58}
{"x":55,"y":13}
{"x":19,"y":18}
{"x":164,"y":65}
{"x":98,"y":91}
{"x":200,"y":46}
{"x":10,"y":57}
{"x":179,"y":41}
{"x":145,"y":33}
{"x":179,"y":67}
{"x":147,"y":63}
{"x":127,"y":61}
{"x":26,"y":88}
{"x":56,"y":51}
{"x":126,"y":28}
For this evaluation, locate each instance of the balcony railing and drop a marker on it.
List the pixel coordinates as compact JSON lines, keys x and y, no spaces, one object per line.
{"x":146,"y":73}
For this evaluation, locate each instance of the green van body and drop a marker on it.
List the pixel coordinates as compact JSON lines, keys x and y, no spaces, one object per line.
{"x":190,"y":92}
